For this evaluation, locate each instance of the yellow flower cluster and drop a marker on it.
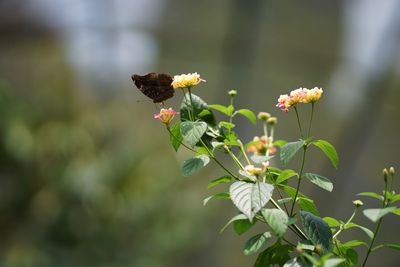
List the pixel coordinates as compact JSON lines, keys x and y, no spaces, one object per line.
{"x":186,"y":80}
{"x":301,"y":95}
{"x":260,"y":146}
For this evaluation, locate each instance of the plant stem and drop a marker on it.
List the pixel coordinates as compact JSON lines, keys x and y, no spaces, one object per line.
{"x":191,"y":102}
{"x":235,"y":159}
{"x":244,"y":152}
{"x":176,"y":138}
{"x":372,"y":242}
{"x":344,"y":225}
{"x":311,"y":117}
{"x":299,"y":181}
{"x":298,"y":122}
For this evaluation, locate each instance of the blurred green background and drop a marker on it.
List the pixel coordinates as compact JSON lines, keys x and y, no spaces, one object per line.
{"x":88,"y":177}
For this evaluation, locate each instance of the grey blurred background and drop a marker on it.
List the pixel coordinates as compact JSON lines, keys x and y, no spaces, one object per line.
{"x":88,"y":178}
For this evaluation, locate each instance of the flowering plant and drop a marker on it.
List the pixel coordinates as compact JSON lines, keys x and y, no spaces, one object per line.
{"x":264,"y":190}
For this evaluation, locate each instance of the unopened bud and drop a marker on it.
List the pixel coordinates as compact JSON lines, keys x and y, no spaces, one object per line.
{"x":358,"y":203}
{"x":232,"y":93}
{"x":385,"y":174}
{"x":264,"y":116}
{"x":391,"y":171}
{"x":318,"y":249}
{"x":299,"y":250}
{"x":272,"y":121}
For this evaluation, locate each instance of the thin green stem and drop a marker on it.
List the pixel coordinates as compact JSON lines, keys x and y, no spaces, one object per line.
{"x":372,"y":242}
{"x":244,"y":152}
{"x":191,"y":103}
{"x":311,"y":117}
{"x":298,"y":122}
{"x":299,"y":181}
{"x":265,"y":128}
{"x":176,"y":138}
{"x":344,"y":225}
{"x":235,"y":159}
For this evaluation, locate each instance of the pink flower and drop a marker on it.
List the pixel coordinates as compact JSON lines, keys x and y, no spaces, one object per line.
{"x":300,"y":95}
{"x":166,"y":115}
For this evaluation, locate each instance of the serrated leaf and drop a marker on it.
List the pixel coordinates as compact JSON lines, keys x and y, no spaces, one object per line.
{"x":193,"y":131}
{"x":220,"y":180}
{"x":198,"y":107}
{"x":285,"y":175}
{"x":289,"y":150}
{"x":332,"y":222}
{"x":260,"y":159}
{"x":329,"y":151}
{"x":277,"y":220}
{"x":255,"y":243}
{"x":220,"y":108}
{"x":248,"y":114}
{"x":227,"y":125}
{"x":317,"y":230}
{"x":194,"y":164}
{"x":375,"y":214}
{"x":250,"y":198}
{"x":333,"y":262}
{"x":368,"y":232}
{"x":371,"y":194}
{"x":224,"y":195}
{"x":175,"y":135}
{"x":242,"y":226}
{"x":320,"y":181}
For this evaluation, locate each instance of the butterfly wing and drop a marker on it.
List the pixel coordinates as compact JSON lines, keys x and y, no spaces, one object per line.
{"x":155,"y":86}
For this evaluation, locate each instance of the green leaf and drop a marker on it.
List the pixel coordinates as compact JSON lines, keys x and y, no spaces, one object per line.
{"x":193,"y":131}
{"x":375,"y":214}
{"x":248,"y":114}
{"x":297,"y":262}
{"x":329,"y":151}
{"x":284,"y":200}
{"x":277,"y":220}
{"x":285,"y":175}
{"x":289,"y":150}
{"x":320,"y":181}
{"x":255,"y":243}
{"x":333,"y":262}
{"x":226,"y":125}
{"x":198,"y":106}
{"x":194,"y":164}
{"x":332,"y":222}
{"x":221,"y":108}
{"x":224,"y":179}
{"x":224,"y":195}
{"x":308,"y":205}
{"x":317,"y":230}
{"x":392,"y":246}
{"x":351,"y":256}
{"x":354,"y":243}
{"x":239,"y":217}
{"x":371,"y":194}
{"x":395,"y":198}
{"x":242,"y":226}
{"x":175,"y":135}
{"x":279,"y":143}
{"x":368,"y":232}
{"x":276,"y":254}
{"x":260,"y":159}
{"x":396,"y":211}
{"x":250,"y":198}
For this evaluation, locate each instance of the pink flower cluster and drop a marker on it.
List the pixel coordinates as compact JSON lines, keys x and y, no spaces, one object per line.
{"x":166,"y":115}
{"x":301,"y":95}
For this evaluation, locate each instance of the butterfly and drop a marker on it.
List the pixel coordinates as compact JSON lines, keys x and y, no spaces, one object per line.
{"x":155,"y":86}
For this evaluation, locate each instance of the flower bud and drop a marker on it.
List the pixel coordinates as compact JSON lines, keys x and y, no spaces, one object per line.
{"x":232,"y":93}
{"x":299,"y":250}
{"x":358,"y":203}
{"x":272,"y":121}
{"x":318,"y":249}
{"x":251,"y":170}
{"x":264,"y":116}
{"x":385,"y":174}
{"x":391,"y":171}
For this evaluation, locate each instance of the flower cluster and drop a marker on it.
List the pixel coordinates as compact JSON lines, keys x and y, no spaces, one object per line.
{"x":166,"y":115}
{"x":261,"y":145}
{"x":301,"y":95}
{"x":186,"y":80}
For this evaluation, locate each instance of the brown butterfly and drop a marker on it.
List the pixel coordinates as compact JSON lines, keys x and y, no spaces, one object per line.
{"x":155,"y":86}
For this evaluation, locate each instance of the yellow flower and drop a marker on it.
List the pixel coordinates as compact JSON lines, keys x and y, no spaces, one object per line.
{"x":313,"y":95}
{"x":186,"y":80}
{"x":166,"y":115}
{"x":250,"y":169}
